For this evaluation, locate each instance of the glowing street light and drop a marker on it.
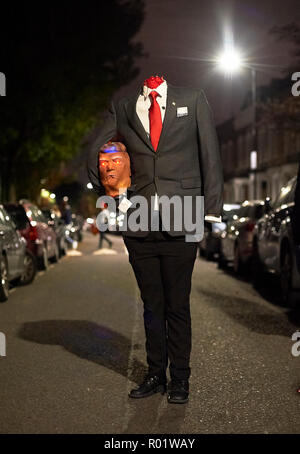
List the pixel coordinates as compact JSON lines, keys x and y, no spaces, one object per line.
{"x":44,"y":193}
{"x":230,"y":61}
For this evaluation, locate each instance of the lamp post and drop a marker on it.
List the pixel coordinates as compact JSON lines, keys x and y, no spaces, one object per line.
{"x":230,"y":62}
{"x":253,"y":161}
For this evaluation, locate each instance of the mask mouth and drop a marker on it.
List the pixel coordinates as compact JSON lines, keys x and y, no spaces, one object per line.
{"x":112,"y":175}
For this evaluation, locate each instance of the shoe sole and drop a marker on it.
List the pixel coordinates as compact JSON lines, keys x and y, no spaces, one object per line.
{"x":160,"y":389}
{"x":177,"y":401}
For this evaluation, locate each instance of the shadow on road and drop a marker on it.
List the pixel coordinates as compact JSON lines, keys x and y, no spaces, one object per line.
{"x":268,"y":288}
{"x":169,"y":421}
{"x":87,"y":340}
{"x":253,"y":315}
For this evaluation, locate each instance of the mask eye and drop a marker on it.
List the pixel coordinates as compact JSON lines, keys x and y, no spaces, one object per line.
{"x":102,"y":163}
{"x":117,"y":161}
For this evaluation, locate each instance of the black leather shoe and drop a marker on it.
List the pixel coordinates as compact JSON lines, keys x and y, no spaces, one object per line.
{"x":151,"y":385}
{"x":178,"y":391}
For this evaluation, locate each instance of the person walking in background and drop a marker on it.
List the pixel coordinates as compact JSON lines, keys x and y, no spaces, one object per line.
{"x":66,"y":212}
{"x":103,"y":220}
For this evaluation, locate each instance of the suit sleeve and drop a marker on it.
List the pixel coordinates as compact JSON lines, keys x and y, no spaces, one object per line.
{"x":108,"y":131}
{"x":210,"y":160}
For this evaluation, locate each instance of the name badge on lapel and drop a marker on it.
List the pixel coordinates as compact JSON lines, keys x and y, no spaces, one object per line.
{"x":182,"y":111}
{"x":124,"y":205}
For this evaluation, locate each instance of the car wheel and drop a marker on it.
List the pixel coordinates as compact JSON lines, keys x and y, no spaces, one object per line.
{"x":55,"y":257}
{"x":222,"y":263}
{"x":43,"y":260}
{"x":257,"y":269}
{"x":29,"y":269}
{"x":63,"y":247}
{"x":286,"y":273}
{"x":4,"y":284}
{"x":201,"y":252}
{"x":209,"y":256}
{"x":237,"y":264}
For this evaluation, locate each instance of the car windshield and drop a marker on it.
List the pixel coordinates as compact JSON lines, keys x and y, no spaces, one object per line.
{"x":18,"y":215}
{"x":258,"y":211}
{"x":251,"y":211}
{"x":47,"y":214}
{"x":2,"y":218}
{"x":230,"y":213}
{"x":35,"y":214}
{"x":286,"y":194}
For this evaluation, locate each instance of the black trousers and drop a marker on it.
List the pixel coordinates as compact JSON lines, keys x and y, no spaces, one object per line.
{"x":102,"y":236}
{"x":163,"y":267}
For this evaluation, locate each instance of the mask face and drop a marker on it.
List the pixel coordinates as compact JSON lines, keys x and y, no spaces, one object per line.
{"x":114,"y":171}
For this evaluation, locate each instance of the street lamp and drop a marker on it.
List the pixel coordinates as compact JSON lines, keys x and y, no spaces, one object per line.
{"x":230,"y":62}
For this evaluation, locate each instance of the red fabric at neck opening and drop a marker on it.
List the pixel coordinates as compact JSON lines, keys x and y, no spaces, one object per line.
{"x":153,"y":81}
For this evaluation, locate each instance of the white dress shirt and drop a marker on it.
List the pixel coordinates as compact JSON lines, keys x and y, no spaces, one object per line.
{"x":143,"y":105}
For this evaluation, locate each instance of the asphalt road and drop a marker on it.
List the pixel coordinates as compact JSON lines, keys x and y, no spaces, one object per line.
{"x":75,"y":347}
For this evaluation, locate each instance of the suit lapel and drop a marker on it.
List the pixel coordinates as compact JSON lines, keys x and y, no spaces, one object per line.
{"x":170,"y":115}
{"x":133,"y":118}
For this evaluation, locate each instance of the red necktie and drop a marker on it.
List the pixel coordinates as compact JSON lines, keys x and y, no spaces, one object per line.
{"x":155,"y":120}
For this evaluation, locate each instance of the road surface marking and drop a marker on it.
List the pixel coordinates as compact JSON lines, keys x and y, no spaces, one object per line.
{"x":104,"y":251}
{"x":74,"y":253}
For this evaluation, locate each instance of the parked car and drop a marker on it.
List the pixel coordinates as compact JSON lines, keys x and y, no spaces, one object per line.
{"x":17,"y":263}
{"x":59,"y":228}
{"x":33,"y":226}
{"x":209,"y":247}
{"x":274,"y":247}
{"x":237,"y":239}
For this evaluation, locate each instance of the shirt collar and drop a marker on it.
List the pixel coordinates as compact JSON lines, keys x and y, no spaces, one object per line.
{"x":161,"y":90}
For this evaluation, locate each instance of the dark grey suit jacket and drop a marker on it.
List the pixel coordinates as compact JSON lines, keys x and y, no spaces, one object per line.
{"x":187,"y":160}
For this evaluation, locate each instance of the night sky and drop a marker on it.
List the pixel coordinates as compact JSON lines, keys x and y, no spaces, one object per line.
{"x":180,"y":37}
